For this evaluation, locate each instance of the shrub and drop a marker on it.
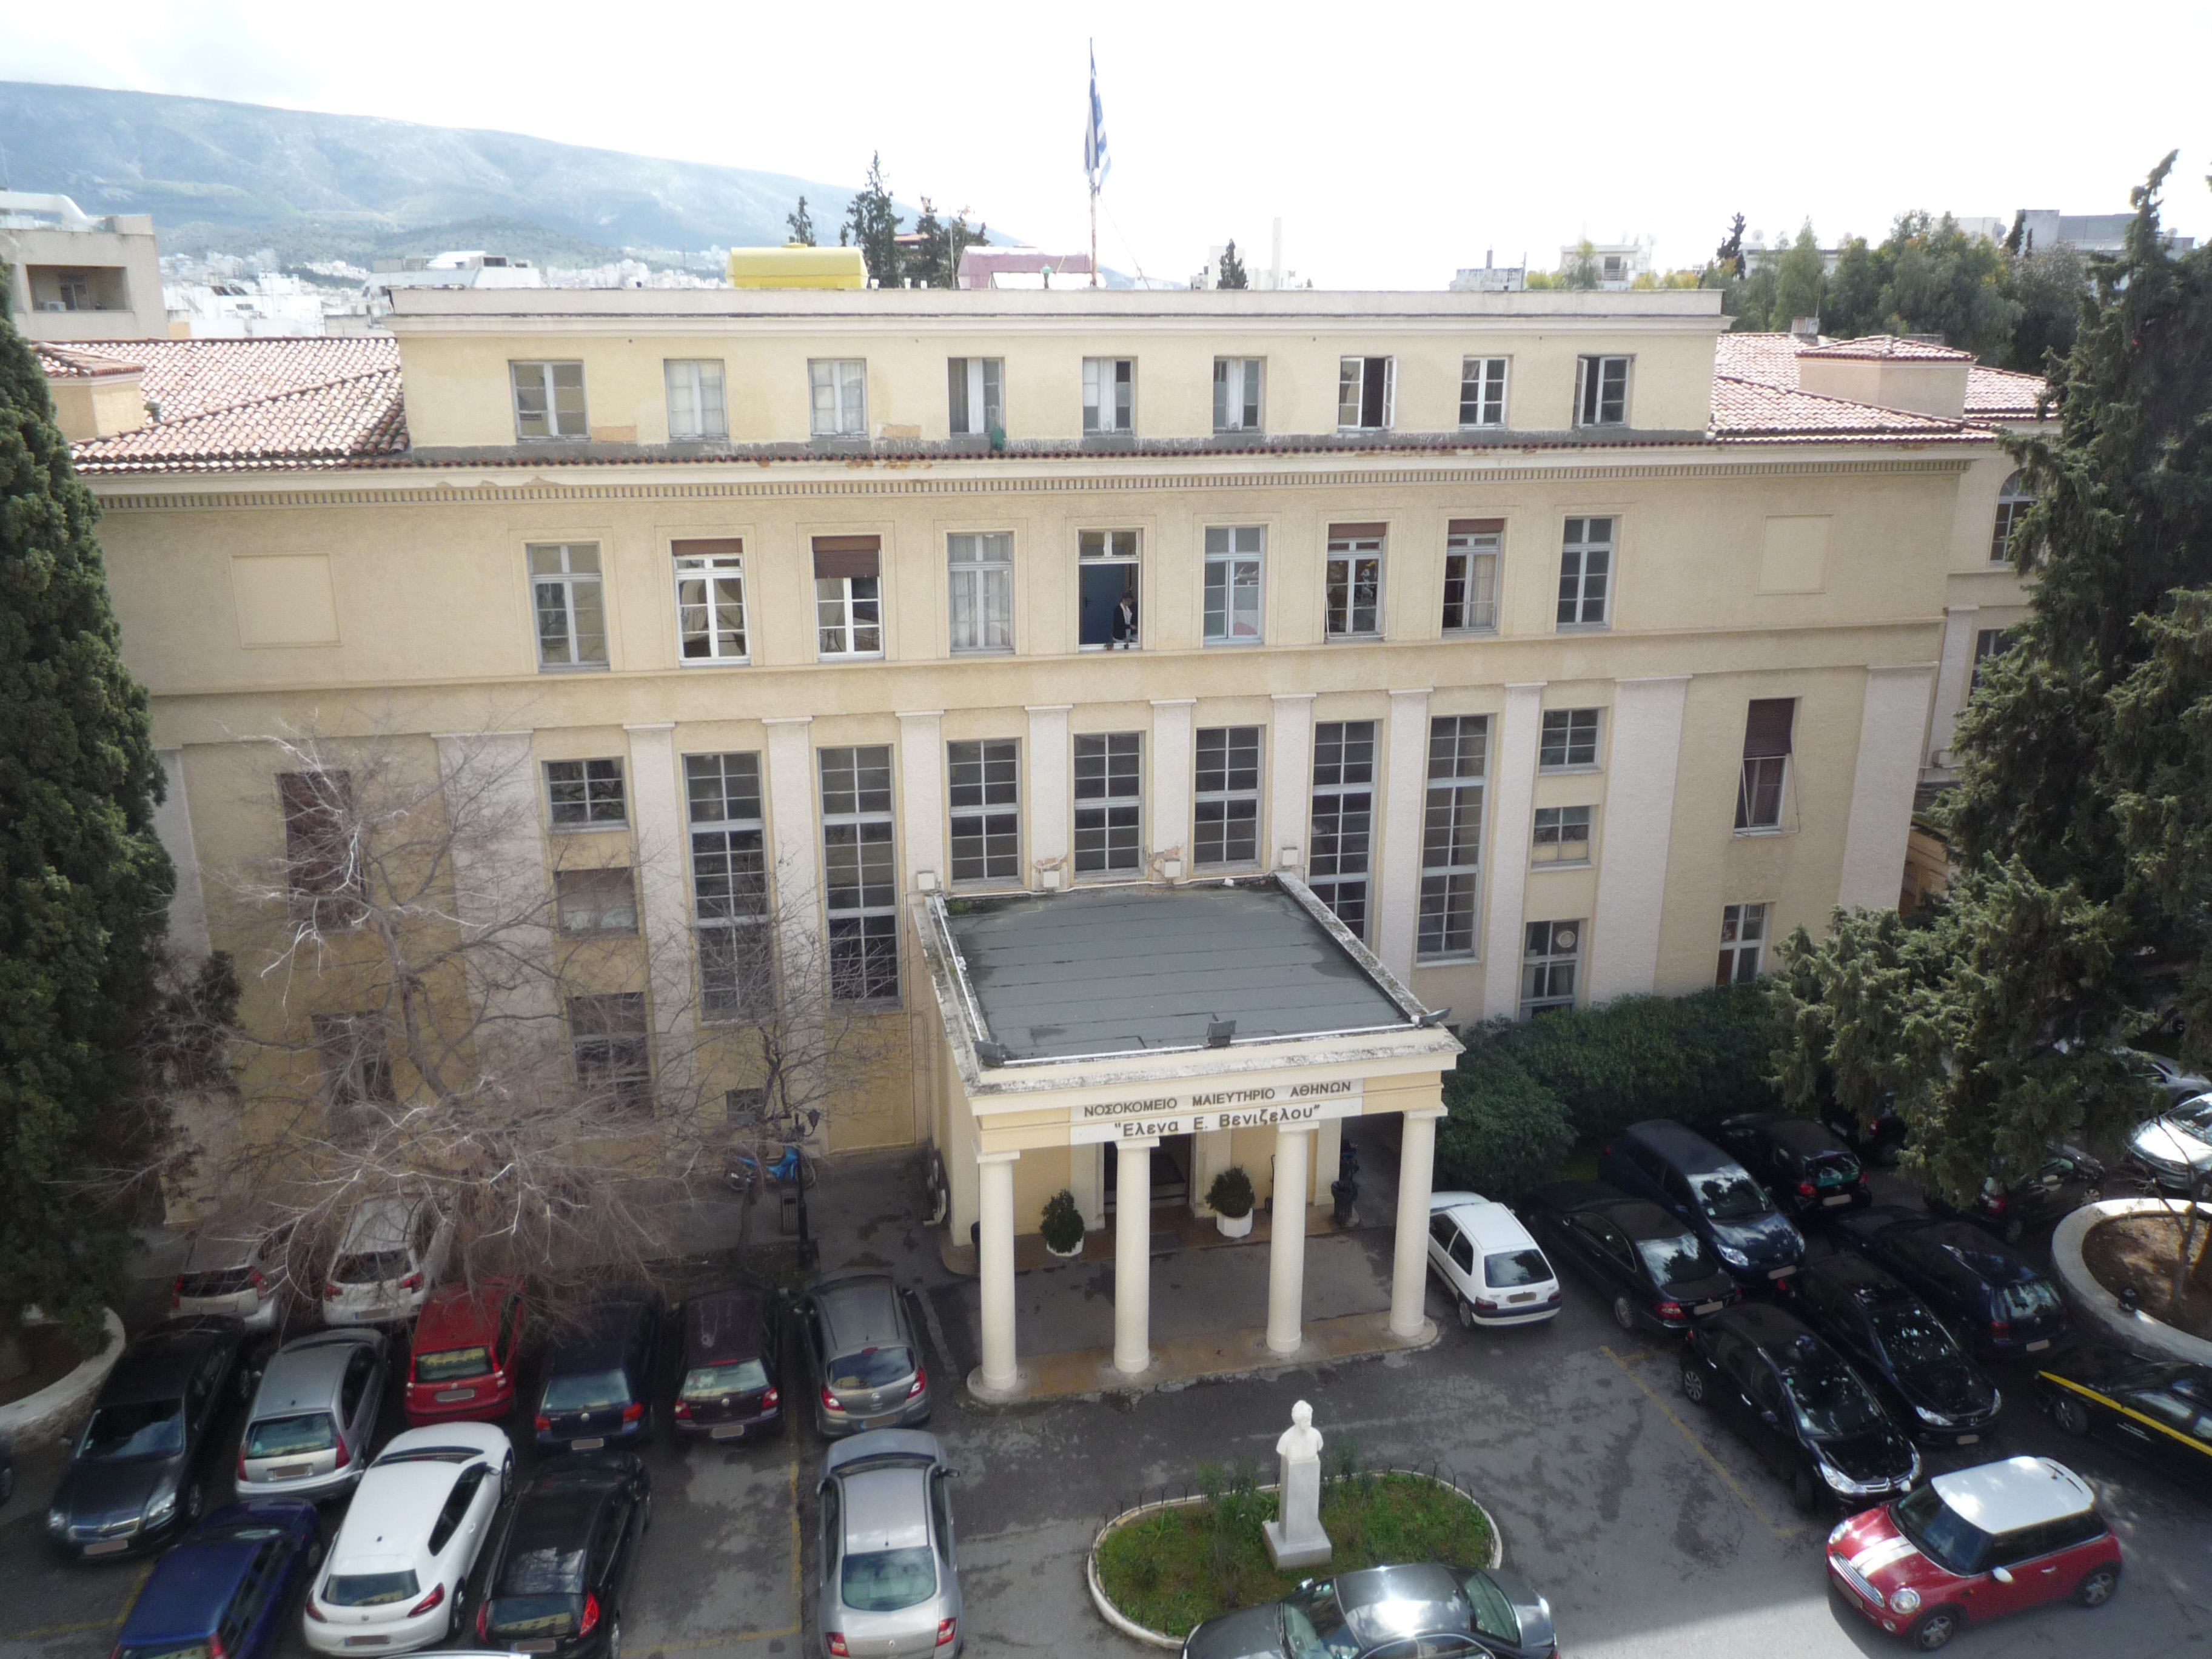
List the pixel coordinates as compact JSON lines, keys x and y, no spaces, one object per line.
{"x":1503,"y":1131}
{"x":1230,"y":1194}
{"x":1062,"y":1226}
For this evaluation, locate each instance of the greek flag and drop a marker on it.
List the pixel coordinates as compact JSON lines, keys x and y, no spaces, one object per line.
{"x":1097,"y":163}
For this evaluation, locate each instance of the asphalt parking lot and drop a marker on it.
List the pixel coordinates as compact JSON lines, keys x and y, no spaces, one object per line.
{"x":1653,"y":1532}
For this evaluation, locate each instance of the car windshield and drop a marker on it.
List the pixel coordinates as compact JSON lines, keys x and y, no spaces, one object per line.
{"x":227,"y":1281}
{"x":451,"y":1365}
{"x":1912,"y":1337}
{"x":1493,"y":1612}
{"x":2193,"y":1118}
{"x":371,"y":1267}
{"x":1940,"y":1532}
{"x":884,"y":1580}
{"x":291,"y":1437}
{"x":869,"y":1368}
{"x":368,"y":1589}
{"x":586,"y":1391}
{"x":1731,"y":1195}
{"x":512,"y":1616}
{"x":1828,"y":1398}
{"x":544,"y":1571}
{"x":137,"y":1428}
{"x":712,"y":1382}
{"x":2028,"y":1298}
{"x":1677,"y":1261}
{"x":1509,"y":1268}
{"x":1314,"y":1626}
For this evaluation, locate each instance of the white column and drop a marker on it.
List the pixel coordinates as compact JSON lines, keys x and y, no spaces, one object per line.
{"x":1513,"y":781}
{"x":1167,"y":818}
{"x":1635,"y":834}
{"x":490,"y":782}
{"x":1289,"y":763}
{"x":921,"y":777}
{"x":1409,"y":1264}
{"x":994,"y":1266}
{"x":1286,"y":1240}
{"x":1046,"y":791}
{"x":1132,"y":1255}
{"x":172,"y":825}
{"x":1405,"y":791}
{"x":1891,"y":724}
{"x":1955,"y":675}
{"x":660,"y":844}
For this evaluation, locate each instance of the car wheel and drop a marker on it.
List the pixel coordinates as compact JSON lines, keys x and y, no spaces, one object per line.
{"x":1694,"y":1384}
{"x":1466,"y":1314}
{"x":506,"y":1477}
{"x":453,"y":1626}
{"x":1932,"y":1629}
{"x":2097,"y":1588}
{"x":2072,"y":1416}
{"x":1624,"y":1313}
{"x":314,"y":1555}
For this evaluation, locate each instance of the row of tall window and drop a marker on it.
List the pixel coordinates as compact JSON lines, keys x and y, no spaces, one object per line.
{"x":549,"y":396}
{"x":714,"y":622}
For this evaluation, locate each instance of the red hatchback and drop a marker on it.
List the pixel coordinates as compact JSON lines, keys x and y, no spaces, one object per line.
{"x":1995,"y":1539}
{"x":467,"y":1340}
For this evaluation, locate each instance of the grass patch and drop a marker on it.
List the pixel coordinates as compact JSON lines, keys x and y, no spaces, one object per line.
{"x":1171,"y":1568}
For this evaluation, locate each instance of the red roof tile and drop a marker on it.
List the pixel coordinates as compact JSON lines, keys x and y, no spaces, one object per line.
{"x":2003,"y":393}
{"x":62,"y":362}
{"x":1896,"y":348}
{"x":1753,"y":411}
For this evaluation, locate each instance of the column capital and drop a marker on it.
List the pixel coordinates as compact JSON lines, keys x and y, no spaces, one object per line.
{"x":920,"y":714}
{"x":650,"y":725}
{"x":1145,"y":1145}
{"x":1298,"y":1128}
{"x":1046,"y":707}
{"x":1526,"y":685}
{"x":1173,"y":702}
{"x":787,"y":720}
{"x":1413,"y":691}
{"x":461,"y":737}
{"x":997,"y":1157}
{"x":1414,"y":1114}
{"x":1874,"y":668}
{"x":1960,"y":610}
{"x":1292,"y":697}
{"x":1654,"y":679}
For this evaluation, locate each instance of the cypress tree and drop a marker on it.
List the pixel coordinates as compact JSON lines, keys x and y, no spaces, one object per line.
{"x":1232,"y":268}
{"x":83,"y":882}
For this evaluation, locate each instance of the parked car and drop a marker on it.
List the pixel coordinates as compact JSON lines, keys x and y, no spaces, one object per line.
{"x":600,"y":1377}
{"x":726,"y":1376}
{"x":399,"y":1567}
{"x":560,"y":1567}
{"x":307,"y":1433}
{"x":1423,"y":1609}
{"x":1802,"y":1163}
{"x":468,"y":1339}
{"x":1494,"y":1271}
{"x":860,"y":1350}
{"x":2169,"y":1077}
{"x":227,"y":1586}
{"x":2160,"y":1410}
{"x":1973,"y":1545}
{"x":2067,"y":1179}
{"x":1793,"y":1399}
{"x":891,"y":1576}
{"x":2174,"y":1151}
{"x":1654,"y":1269}
{"x":1682,"y":1171}
{"x":1877,"y":1139}
{"x":1910,"y":1357}
{"x":234,"y":1270}
{"x":1999,"y":1303}
{"x":138,"y":1475}
{"x":392,"y":1254}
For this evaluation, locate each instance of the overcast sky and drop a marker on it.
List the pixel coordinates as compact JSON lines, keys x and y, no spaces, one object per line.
{"x":1397,"y":144}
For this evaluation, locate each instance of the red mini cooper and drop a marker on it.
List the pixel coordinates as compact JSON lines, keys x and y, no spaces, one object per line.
{"x":1991,"y":1539}
{"x":466,"y":1340}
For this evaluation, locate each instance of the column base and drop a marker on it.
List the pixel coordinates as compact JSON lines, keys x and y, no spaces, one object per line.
{"x":1018,"y":1388}
{"x":1133,"y":1372}
{"x":1424,"y":1333}
{"x":1288,"y":1552}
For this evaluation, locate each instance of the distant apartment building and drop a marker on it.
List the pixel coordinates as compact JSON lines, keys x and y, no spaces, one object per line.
{"x":2091,"y":232}
{"x":75,"y":276}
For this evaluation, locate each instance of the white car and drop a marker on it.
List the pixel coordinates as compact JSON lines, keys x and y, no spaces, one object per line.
{"x":2175,"y":1150}
{"x":397,"y":1571}
{"x":389,"y":1261}
{"x":1491,"y":1265}
{"x":233,"y":1269}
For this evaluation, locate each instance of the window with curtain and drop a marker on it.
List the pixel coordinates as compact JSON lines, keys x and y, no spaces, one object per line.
{"x":982,"y":592}
{"x":1233,"y":555}
{"x":695,"y":398}
{"x":710,"y":600}
{"x":549,"y":400}
{"x":1366,"y":393}
{"x":976,"y":390}
{"x":1767,"y":730}
{"x":1471,"y":553}
{"x":1110,"y":394}
{"x":1354,"y":593}
{"x":838,"y":391}
{"x":1237,"y":394}
{"x":848,"y":596}
{"x":566,"y":595}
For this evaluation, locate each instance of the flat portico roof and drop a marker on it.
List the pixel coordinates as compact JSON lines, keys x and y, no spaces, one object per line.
{"x":1126,"y":970}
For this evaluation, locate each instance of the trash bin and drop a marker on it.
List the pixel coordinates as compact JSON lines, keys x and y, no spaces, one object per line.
{"x":1345,"y":1194}
{"x":790,"y":1216}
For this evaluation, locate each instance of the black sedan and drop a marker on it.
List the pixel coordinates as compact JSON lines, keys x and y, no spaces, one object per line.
{"x":1654,"y":1269}
{"x":1998,"y":1302}
{"x":559,"y":1570}
{"x":726,"y":1380}
{"x":1808,"y":1171}
{"x":1387,"y":1610}
{"x":1898,"y":1346}
{"x":1806,"y":1413}
{"x":2160,"y":1410}
{"x":138,"y":1475}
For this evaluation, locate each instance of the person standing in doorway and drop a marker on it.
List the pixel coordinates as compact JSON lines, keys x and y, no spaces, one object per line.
{"x":1124,"y":627}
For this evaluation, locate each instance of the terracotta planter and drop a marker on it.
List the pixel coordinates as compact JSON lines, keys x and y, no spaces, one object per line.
{"x":1234,"y":1226}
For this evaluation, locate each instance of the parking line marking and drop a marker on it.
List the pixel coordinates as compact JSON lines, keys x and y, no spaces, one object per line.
{"x":1704,"y":1451}
{"x":78,"y":1629}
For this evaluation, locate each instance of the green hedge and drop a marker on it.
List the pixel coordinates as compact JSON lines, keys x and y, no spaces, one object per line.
{"x":1503,"y":1131}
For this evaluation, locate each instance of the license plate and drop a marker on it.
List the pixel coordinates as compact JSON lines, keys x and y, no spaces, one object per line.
{"x":290,"y":1471}
{"x":1522,"y":1296}
{"x":367,"y":1641}
{"x":1706,"y":1308}
{"x":1780,"y":1272}
{"x":537,"y":1645}
{"x":108,"y":1546}
{"x":457,"y":1394}
{"x":725,"y":1432}
{"x":1970,"y":1440}
{"x":1837,"y":1198}
{"x":884,"y":1422}
{"x":593,"y":1445}
{"x":2038,"y":1345}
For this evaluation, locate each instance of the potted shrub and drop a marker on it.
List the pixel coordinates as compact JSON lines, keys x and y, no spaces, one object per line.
{"x":1062,"y":1226}
{"x":1230,"y":1198}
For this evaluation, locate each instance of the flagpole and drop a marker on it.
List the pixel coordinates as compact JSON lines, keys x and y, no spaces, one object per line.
{"x":1094,"y":235}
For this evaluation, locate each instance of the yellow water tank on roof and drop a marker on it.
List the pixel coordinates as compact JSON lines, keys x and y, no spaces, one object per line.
{"x":796,"y":266}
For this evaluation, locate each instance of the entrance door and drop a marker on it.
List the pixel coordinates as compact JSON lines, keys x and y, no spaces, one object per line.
{"x":1170,"y":1172}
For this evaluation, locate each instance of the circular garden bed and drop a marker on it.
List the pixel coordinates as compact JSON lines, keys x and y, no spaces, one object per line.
{"x":2138,"y":1252}
{"x":1164,"y":1567}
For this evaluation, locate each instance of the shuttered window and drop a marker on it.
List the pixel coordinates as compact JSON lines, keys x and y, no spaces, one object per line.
{"x":1766,"y":734}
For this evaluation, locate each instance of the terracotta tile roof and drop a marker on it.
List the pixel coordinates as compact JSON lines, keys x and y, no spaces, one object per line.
{"x":1770,"y":360}
{"x":61,"y":362}
{"x":1893,"y":346}
{"x":2003,"y":393}
{"x":1755,"y":411}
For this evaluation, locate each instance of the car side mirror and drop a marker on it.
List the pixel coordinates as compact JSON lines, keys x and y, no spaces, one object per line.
{"x":2001,"y":1575}
{"x":1769,"y":1418}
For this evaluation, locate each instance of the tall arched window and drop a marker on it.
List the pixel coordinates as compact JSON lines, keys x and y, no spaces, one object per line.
{"x":2013,"y":502}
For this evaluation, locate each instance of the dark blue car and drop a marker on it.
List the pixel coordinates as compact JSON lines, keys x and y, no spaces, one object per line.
{"x":226,"y":1590}
{"x":1681,"y":1170}
{"x":1992,"y":1298}
{"x":600,"y":1376}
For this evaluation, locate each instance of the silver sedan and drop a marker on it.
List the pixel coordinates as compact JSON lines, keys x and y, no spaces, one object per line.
{"x":890,"y":1586}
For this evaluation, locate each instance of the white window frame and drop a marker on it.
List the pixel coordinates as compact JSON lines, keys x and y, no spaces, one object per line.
{"x":1340,"y":602}
{"x":542,"y":381}
{"x":1225,"y":782}
{"x":980,"y":591}
{"x":1239,"y":384}
{"x":1457,"y":775}
{"x":1482,"y":390}
{"x":1989,"y":644}
{"x":1340,"y":845}
{"x":1235,"y":568}
{"x":696,"y":411}
{"x":858,"y":830}
{"x":1472,"y":561}
{"x":1105,"y":415}
{"x":1601,"y":389}
{"x":1761,"y":774}
{"x":1743,"y":940}
{"x":1351,"y":394}
{"x":983,"y":795}
{"x":1112,"y":795}
{"x":1123,"y":548}
{"x":710,"y":608}
{"x":2012,"y":504}
{"x":844,"y":612}
{"x":837,"y":396}
{"x":1551,"y":965}
{"x":729,"y":882}
{"x":1554,"y":842}
{"x":568,"y":588}
{"x":586,"y":794}
{"x":975,"y":395}
{"x":1562,"y":732}
{"x":1586,"y":561}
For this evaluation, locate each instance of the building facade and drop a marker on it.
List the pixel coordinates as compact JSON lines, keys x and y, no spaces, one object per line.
{"x":75,"y":276}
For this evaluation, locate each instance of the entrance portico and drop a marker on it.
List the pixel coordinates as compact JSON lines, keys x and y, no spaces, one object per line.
{"x":1099,"y":1021}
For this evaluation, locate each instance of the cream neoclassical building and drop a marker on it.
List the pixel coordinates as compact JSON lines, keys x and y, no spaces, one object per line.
{"x":1531,"y":649}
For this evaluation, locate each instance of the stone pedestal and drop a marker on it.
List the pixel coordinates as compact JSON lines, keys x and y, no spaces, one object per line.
{"x":1296,"y":1540}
